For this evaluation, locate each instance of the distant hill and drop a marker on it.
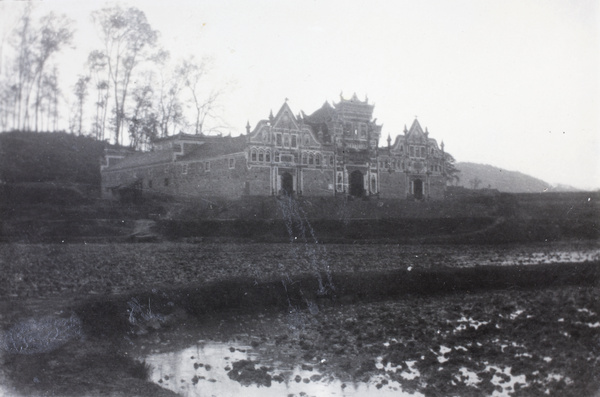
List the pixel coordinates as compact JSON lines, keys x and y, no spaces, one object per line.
{"x":505,"y":181}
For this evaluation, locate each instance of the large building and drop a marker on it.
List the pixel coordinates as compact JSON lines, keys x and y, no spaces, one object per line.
{"x":333,"y":151}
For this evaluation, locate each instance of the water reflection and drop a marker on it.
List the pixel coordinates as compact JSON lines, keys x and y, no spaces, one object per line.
{"x":202,"y":370}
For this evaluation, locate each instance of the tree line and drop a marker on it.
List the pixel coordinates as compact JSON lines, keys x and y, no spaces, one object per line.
{"x":131,"y":88}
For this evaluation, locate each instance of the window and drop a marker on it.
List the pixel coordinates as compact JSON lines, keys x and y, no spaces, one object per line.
{"x":166,"y":182}
{"x":294,"y":141}
{"x":253,"y":155}
{"x":184,"y":169}
{"x":276,"y":158}
{"x":311,"y":159}
{"x":401,"y":149}
{"x":261,"y":156}
{"x":231,"y":163}
{"x":286,"y":140}
{"x":423,"y":155}
{"x":412,"y":151}
{"x":306,"y":140}
{"x":278,"y":139}
{"x":304,"y":158}
{"x":268,"y":156}
{"x":318,"y":159}
{"x":207,"y":166}
{"x":331,"y":160}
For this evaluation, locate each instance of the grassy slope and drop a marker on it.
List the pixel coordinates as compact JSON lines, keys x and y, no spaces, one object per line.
{"x":49,"y":157}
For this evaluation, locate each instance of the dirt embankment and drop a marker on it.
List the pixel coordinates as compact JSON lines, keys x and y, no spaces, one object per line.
{"x":477,"y":219}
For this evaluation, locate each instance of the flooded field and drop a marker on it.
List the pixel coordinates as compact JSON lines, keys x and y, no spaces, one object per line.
{"x":489,"y":344}
{"x":301,"y":319}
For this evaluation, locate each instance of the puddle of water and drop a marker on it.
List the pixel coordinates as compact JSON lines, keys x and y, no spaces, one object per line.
{"x":202,"y":370}
{"x":551,"y":257}
{"x":505,"y":379}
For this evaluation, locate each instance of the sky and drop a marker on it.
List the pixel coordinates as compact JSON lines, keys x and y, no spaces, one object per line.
{"x":510,"y":83}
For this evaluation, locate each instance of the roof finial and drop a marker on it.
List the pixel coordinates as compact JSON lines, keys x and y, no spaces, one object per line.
{"x":247,"y":127}
{"x":271,"y":116}
{"x":405,"y":129}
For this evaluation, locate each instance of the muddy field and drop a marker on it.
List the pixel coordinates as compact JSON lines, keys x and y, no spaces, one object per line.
{"x":45,"y":270}
{"x":522,"y":343}
{"x":311,"y":319}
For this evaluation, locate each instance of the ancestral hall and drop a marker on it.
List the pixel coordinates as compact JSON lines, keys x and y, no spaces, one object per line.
{"x":333,"y":151}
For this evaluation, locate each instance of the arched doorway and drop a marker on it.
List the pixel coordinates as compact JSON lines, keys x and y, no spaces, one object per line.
{"x":357,"y":184}
{"x":287,"y":184}
{"x":418,"y":189}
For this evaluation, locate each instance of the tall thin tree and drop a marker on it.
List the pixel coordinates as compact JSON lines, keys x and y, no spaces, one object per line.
{"x":128,"y":40}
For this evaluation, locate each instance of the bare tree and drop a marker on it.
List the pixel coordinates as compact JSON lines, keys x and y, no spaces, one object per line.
{"x":192,"y":73}
{"x":170,"y":107}
{"x":128,"y":40}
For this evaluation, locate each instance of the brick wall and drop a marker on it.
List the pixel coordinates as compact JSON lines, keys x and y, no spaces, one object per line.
{"x":392,"y":185}
{"x":317,"y":182}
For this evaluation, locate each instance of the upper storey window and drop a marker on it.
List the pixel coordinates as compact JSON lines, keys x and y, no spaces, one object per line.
{"x":418,"y":151}
{"x":294,"y":141}
{"x":286,"y":140}
{"x":278,"y":139}
{"x":363,"y":130}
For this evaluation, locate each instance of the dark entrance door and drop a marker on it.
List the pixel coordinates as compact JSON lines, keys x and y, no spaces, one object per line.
{"x":287,"y":183}
{"x":418,"y":186}
{"x":357,"y":184}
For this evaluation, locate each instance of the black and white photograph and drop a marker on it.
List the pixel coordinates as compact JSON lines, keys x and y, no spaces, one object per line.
{"x":333,"y":198}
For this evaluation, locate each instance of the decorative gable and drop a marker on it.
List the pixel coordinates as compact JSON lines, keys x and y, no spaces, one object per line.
{"x":285,"y":119}
{"x":261,"y":134}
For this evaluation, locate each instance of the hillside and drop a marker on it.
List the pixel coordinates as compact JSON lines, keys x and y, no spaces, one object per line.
{"x":503,"y":180}
{"x":51,"y":168}
{"x":49,"y":157}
